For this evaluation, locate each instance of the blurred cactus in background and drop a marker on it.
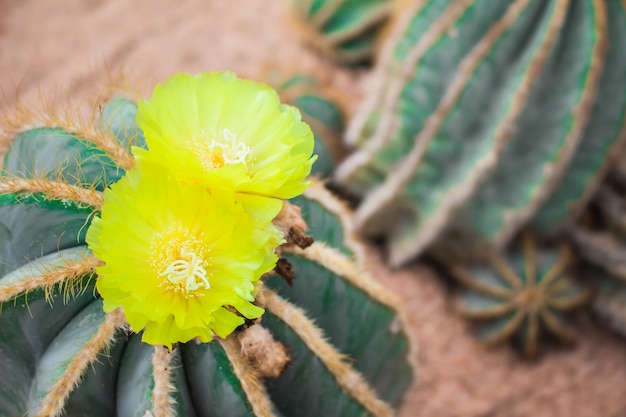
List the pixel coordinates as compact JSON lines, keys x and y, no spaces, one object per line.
{"x":344,"y":31}
{"x":487,"y":117}
{"x":521,"y":295}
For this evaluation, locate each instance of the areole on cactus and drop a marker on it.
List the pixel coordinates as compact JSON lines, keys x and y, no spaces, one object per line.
{"x":487,"y":117}
{"x":64,"y":355}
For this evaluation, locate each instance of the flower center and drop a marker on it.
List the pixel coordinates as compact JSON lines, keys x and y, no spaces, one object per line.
{"x":187,"y":272}
{"x":220,"y":150}
{"x":180,"y":259}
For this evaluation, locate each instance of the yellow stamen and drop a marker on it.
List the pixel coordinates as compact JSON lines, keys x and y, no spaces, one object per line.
{"x":181,"y":258}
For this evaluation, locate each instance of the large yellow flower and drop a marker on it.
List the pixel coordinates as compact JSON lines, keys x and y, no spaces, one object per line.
{"x":181,"y":262}
{"x":217,"y":129}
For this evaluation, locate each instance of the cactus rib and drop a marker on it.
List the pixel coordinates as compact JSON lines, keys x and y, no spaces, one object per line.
{"x":75,"y":125}
{"x":381,"y":136}
{"x":163,"y":403}
{"x":604,"y":137}
{"x":386,"y":192}
{"x":54,"y":401}
{"x":379,"y":86}
{"x":324,"y":13}
{"x":348,"y":378}
{"x":376,"y":16}
{"x":342,"y":266}
{"x":594,"y":185}
{"x":318,"y":192}
{"x":63,"y":274}
{"x":582,"y":114}
{"x":342,"y":30}
{"x":250,"y":380}
{"x":53,"y":190}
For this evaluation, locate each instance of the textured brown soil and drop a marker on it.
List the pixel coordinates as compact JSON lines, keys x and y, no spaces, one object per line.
{"x":56,"y":48}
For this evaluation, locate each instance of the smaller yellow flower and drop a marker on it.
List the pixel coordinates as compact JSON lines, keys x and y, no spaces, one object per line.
{"x":181,"y":262}
{"x":217,"y":129}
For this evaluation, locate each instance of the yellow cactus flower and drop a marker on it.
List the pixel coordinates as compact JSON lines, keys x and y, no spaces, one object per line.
{"x":217,"y":129}
{"x":181,"y":262}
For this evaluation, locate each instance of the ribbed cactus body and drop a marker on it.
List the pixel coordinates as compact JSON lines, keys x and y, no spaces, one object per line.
{"x":342,"y":30}
{"x":487,"y":116}
{"x":62,"y":355}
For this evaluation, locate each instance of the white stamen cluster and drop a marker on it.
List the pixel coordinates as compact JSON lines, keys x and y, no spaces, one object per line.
{"x":231,"y":150}
{"x":189,"y":271}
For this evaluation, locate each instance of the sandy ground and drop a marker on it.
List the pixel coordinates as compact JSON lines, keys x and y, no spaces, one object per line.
{"x":54,"y":49}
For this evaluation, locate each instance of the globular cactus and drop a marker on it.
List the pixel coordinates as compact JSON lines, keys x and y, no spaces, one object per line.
{"x":333,"y":343}
{"x":320,"y":109}
{"x":344,"y":31}
{"x":487,"y":117}
{"x":521,"y":295}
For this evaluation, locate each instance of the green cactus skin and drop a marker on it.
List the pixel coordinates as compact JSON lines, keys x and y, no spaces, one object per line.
{"x":521,"y":295}
{"x":320,"y":110}
{"x":488,"y":116}
{"x":59,"y":350}
{"x":344,"y":31}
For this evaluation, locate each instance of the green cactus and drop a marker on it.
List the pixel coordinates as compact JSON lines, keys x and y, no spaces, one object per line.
{"x":520,"y":295}
{"x":62,"y":355}
{"x":320,"y":110}
{"x":487,"y":117}
{"x":344,"y":31}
